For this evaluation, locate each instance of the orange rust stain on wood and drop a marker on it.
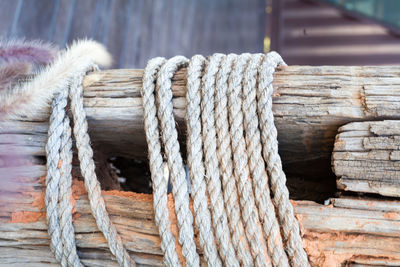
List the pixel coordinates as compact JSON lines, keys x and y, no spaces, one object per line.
{"x":37,"y":199}
{"x":318,"y":247}
{"x":78,"y":189}
{"x":136,"y":196}
{"x":26,"y":216}
{"x":174,"y":228}
{"x":391,"y":215}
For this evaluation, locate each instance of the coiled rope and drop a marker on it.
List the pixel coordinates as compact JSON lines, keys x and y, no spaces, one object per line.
{"x":233,"y":160}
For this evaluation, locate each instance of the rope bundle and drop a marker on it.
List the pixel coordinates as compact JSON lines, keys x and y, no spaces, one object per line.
{"x":59,"y":179}
{"x":233,"y":160}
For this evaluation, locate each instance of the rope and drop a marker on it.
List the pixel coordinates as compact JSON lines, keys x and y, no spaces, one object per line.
{"x":169,"y":136}
{"x":233,"y":160}
{"x":196,"y":165}
{"x":269,"y":139}
{"x":85,"y":155}
{"x":159,"y":182}
{"x":224,"y":154}
{"x":228,"y":164}
{"x":53,"y":176}
{"x":240,"y":167}
{"x":220,"y":220}
{"x":59,"y":180}
{"x":257,"y":166}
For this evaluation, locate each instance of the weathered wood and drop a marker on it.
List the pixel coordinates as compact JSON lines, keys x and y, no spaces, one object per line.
{"x":310,"y":103}
{"x":346,"y":231}
{"x":366,"y":157}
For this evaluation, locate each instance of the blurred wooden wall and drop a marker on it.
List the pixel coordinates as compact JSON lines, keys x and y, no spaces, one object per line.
{"x":137,"y":30}
{"x":313,"y":33}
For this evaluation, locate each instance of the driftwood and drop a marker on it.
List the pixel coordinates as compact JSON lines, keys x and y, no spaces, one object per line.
{"x":310,"y":103}
{"x":345,"y":231}
{"x":366,"y":157}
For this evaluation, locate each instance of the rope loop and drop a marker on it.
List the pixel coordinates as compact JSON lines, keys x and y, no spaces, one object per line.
{"x":59,"y":179}
{"x":233,"y":166}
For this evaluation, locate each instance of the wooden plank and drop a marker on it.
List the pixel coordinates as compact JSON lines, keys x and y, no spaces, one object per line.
{"x":348,"y":231}
{"x":35,"y":20}
{"x":366,"y":157}
{"x":119,"y":30}
{"x":310,"y":104}
{"x":63,"y":21}
{"x":8,"y":12}
{"x":83,"y":20}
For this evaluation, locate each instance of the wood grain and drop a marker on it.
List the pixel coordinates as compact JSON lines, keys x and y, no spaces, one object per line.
{"x":310,"y":104}
{"x":366,"y":157}
{"x":347,"y":231}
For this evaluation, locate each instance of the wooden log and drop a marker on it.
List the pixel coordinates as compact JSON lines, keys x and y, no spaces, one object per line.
{"x":310,"y":103}
{"x":366,"y":157}
{"x":347,"y":231}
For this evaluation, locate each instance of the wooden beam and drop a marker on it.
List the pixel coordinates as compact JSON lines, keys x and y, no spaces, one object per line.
{"x":310,"y":103}
{"x":366,"y":157}
{"x":343,"y":232}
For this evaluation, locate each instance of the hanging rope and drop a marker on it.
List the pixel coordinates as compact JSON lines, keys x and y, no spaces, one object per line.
{"x":233,"y":160}
{"x":58,"y":179}
{"x":232,"y":155}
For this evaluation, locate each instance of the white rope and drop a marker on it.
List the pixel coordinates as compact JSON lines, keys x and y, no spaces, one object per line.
{"x":224,"y":154}
{"x":232,"y":156}
{"x":220,"y":220}
{"x":269,"y":139}
{"x":159,"y":181}
{"x":87,"y":166}
{"x":195,"y":162}
{"x":240,"y":165}
{"x":257,"y":166}
{"x":53,"y":177}
{"x":169,"y":136}
{"x":59,"y":179}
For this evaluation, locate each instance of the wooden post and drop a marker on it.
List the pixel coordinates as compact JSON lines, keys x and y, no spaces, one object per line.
{"x":366,"y":157}
{"x":343,"y":232}
{"x":310,"y":104}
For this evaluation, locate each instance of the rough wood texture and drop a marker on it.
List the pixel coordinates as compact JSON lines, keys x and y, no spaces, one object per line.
{"x":366,"y":157}
{"x":310,"y":103}
{"x":348,"y":231}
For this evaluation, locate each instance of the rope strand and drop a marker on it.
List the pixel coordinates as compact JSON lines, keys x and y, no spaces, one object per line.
{"x":159,"y":182}
{"x":195,"y":162}
{"x":232,"y":153}
{"x":269,"y":140}
{"x":169,"y":136}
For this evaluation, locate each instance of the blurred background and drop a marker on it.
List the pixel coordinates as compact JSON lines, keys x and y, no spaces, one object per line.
{"x":317,"y":32}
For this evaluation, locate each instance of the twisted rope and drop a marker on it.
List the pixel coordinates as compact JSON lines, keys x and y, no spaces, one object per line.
{"x":195,"y":161}
{"x":65,"y":183}
{"x":269,"y":138}
{"x":220,"y":220}
{"x":257,"y":166}
{"x":240,"y":167}
{"x":169,"y":136}
{"x":232,"y":152}
{"x":85,"y":155}
{"x":159,"y":181}
{"x":53,"y":177}
{"x":59,"y":179}
{"x":224,"y":154}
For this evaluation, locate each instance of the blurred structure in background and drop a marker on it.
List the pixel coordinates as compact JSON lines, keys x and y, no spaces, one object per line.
{"x":334,"y":32}
{"x":311,"y":32}
{"x":136,"y":30}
